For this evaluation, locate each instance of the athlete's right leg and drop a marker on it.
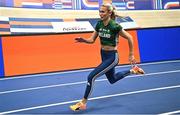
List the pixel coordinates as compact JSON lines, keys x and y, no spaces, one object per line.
{"x":105,"y":66}
{"x":98,"y":71}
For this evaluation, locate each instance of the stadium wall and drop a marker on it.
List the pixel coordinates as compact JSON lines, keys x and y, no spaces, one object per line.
{"x":157,"y":39}
{"x":58,"y":52}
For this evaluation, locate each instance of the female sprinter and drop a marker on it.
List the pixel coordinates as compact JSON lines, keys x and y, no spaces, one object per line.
{"x":108,"y":31}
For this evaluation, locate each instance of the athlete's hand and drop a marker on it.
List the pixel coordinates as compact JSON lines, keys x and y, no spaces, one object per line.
{"x":79,"y":39}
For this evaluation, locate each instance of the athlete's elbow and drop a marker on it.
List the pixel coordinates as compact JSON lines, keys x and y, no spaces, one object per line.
{"x":91,"y":41}
{"x":130,"y":38}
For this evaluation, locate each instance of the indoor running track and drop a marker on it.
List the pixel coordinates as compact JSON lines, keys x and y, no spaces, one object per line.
{"x":156,"y":92}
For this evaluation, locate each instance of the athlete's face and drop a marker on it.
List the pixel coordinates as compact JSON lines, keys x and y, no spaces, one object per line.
{"x":104,"y":13}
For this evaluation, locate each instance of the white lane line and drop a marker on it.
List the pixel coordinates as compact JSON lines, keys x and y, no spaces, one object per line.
{"x":170,"y":113}
{"x":42,"y":87}
{"x":84,"y":70}
{"x":81,"y":82}
{"x":94,"y":98}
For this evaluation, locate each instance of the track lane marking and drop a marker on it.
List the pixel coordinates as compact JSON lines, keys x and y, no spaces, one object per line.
{"x":94,"y":98}
{"x":81,"y":82}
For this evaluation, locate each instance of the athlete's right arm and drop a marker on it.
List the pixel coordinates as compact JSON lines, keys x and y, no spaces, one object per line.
{"x":89,"y":40}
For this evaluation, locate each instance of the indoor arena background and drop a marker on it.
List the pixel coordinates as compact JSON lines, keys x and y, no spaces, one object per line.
{"x":41,"y":65}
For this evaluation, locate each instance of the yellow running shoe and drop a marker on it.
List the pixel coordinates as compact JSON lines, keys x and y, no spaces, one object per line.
{"x":78,"y":106}
{"x":137,"y":70}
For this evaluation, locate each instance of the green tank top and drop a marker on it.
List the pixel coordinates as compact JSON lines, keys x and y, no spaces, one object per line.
{"x":108,"y":34}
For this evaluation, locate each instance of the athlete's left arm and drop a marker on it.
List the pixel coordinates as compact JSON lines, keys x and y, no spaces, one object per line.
{"x":129,"y":37}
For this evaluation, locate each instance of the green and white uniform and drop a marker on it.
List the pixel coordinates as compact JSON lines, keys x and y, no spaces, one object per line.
{"x":108,"y":34}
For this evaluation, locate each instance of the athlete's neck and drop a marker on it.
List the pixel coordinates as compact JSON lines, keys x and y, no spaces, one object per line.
{"x":106,"y":21}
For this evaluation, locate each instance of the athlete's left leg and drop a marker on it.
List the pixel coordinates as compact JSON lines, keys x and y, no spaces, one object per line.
{"x":114,"y":77}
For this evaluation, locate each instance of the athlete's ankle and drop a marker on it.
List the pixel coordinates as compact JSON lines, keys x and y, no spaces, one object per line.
{"x":84,"y":101}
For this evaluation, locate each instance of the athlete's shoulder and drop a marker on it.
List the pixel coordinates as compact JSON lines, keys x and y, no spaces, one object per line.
{"x":116,"y":26}
{"x":114,"y":23}
{"x":98,"y":25}
{"x":99,"y":22}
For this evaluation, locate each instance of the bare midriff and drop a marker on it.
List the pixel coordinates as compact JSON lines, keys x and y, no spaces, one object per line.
{"x":108,"y":48}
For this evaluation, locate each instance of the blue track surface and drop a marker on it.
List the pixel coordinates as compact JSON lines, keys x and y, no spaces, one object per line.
{"x":158,"y":91}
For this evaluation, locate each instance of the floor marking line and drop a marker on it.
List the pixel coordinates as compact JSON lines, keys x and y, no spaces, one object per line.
{"x":94,"y":98}
{"x":170,"y":113}
{"x":81,"y":82}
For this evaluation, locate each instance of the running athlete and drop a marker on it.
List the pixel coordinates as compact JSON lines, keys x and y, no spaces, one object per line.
{"x":108,"y":31}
